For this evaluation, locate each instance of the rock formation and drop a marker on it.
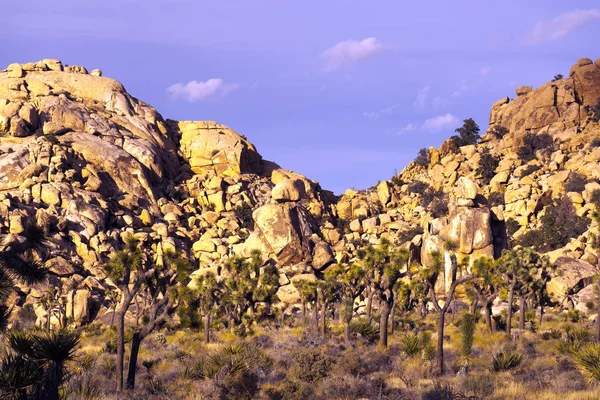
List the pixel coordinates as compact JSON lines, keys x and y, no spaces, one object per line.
{"x":91,"y":164}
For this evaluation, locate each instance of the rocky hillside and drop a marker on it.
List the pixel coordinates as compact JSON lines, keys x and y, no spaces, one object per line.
{"x":91,"y":164}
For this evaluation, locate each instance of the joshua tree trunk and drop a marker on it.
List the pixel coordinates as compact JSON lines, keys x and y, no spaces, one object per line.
{"x":347,"y":331}
{"x":440,"y":341}
{"x":304,"y":313}
{"x":511,"y":295}
{"x":522,"y":312}
{"x":370,"y":294}
{"x":598,"y":316}
{"x":135,"y":348}
{"x":392,"y":313}
{"x":323,"y":319}
{"x":207,"y":328}
{"x":488,"y":316}
{"x":541,"y":313}
{"x":383,"y":322}
{"x":112,"y":317}
{"x":316,"y":316}
{"x":120,"y":348}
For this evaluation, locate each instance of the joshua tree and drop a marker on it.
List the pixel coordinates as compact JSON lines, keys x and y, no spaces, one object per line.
{"x":383,"y":266}
{"x":126,"y":269}
{"x":47,"y":352}
{"x":248,"y":284}
{"x":431,"y":273}
{"x":519,"y":267}
{"x":19,"y":260}
{"x":209,"y":291}
{"x":352,"y":281}
{"x":595,"y":242}
{"x":486,"y":285}
{"x":308,"y":294}
{"x":329,"y":292}
{"x":160,"y":289}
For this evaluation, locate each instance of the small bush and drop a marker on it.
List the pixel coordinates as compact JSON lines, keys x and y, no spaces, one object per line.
{"x":595,"y":143}
{"x":422,"y":159}
{"x":438,"y":207}
{"x":418,"y":187}
{"x":557,"y":77}
{"x":575,"y":182}
{"x":244,"y":214}
{"x":309,"y":365}
{"x":595,"y":198}
{"x":499,"y":131}
{"x":532,"y":143}
{"x":551,"y":334}
{"x":530,"y":169}
{"x":487,"y":166}
{"x":596,"y":111}
{"x":408,"y":234}
{"x":506,"y":360}
{"x":560,"y":223}
{"x":442,"y":391}
{"x":479,"y":386}
{"x":496,"y":199}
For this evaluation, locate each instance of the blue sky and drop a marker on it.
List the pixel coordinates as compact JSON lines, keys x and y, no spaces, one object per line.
{"x":344,"y":92}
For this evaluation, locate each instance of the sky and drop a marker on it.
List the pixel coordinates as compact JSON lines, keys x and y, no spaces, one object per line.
{"x":344,"y":92}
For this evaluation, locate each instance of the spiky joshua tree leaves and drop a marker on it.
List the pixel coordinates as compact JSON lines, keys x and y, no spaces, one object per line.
{"x":35,"y":365}
{"x":384,"y":266}
{"x":19,"y":260}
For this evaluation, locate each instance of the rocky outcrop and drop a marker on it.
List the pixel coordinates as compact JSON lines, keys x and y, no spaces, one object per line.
{"x":91,"y":164}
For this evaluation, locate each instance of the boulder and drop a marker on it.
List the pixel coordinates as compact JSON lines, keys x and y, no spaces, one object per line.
{"x":571,"y":276}
{"x":288,"y":190}
{"x":466,"y":188}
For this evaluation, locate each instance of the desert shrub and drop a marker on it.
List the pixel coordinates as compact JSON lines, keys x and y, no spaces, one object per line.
{"x":422,"y":159}
{"x":532,"y":143}
{"x":496,"y":199}
{"x":411,"y":344}
{"x":442,"y":391}
{"x":467,"y":134}
{"x":243,"y":212}
{"x":530,"y":169}
{"x":587,"y":360}
{"x":506,"y":360}
{"x":438,"y":207}
{"x":512,"y":226}
{"x":309,"y":365}
{"x":396,"y":180}
{"x":350,"y":363}
{"x":557,"y":77}
{"x":551,"y":334}
{"x":596,"y":111}
{"x":487,"y":166}
{"x":291,"y":390}
{"x":559,"y":224}
{"x":499,"y":322}
{"x":595,"y":198}
{"x":575,"y":182}
{"x":499,"y":131}
{"x":408,"y":234}
{"x":479,"y":386}
{"x":362,"y":328}
{"x":573,"y":315}
{"x":595,"y":142}
{"x":418,"y":187}
{"x":347,"y":387}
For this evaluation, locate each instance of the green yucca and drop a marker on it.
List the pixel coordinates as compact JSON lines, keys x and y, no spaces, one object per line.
{"x":587,"y":360}
{"x":411,"y":344}
{"x":467,"y":324}
{"x":506,"y":360}
{"x":361,"y":327}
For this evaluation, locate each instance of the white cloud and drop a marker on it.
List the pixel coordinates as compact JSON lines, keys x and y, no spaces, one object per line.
{"x":350,"y":51}
{"x":422,"y":96}
{"x":435,"y":124}
{"x":193,"y":91}
{"x":557,"y":28}
{"x":385,"y":111}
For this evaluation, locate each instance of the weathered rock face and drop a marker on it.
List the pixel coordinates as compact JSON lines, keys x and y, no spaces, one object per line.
{"x":91,"y":164}
{"x":215,"y":147}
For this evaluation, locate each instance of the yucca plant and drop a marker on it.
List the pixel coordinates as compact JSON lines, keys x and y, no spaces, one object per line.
{"x":468,"y":322}
{"x":506,"y":360}
{"x":587,"y":360}
{"x":362,"y":327}
{"x":411,"y":344}
{"x":18,"y":376}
